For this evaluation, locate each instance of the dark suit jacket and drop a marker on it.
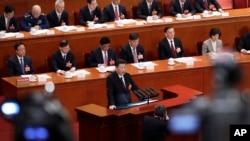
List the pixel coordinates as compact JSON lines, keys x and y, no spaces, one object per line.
{"x":53,"y":19}
{"x":164,"y":50}
{"x":109,"y":13}
{"x":86,"y":16}
{"x":127,"y":55}
{"x":244,"y":42}
{"x":96,"y":57}
{"x":13,"y":23}
{"x":59,"y":63}
{"x":153,"y":129}
{"x":200,"y":7}
{"x":175,"y":7}
{"x":14,"y":67}
{"x":143,"y":12}
{"x":116,"y":91}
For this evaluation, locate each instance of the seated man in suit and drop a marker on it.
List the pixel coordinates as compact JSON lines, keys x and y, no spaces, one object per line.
{"x":119,"y":84}
{"x":170,"y":46}
{"x":183,"y":7}
{"x":114,"y":11}
{"x":149,"y":8}
{"x":155,"y":127}
{"x":209,"y":5}
{"x":244,"y":44}
{"x":133,"y":52}
{"x":90,"y":13}
{"x":34,"y":19}
{"x":103,"y":55}
{"x":8,"y":21}
{"x":58,"y":16}
{"x":19,"y":64}
{"x":213,"y":44}
{"x":63,"y":59}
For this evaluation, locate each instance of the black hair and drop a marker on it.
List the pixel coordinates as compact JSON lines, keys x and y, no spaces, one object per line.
{"x":104,"y":40}
{"x":64,"y":43}
{"x":119,"y":61}
{"x":8,"y":9}
{"x":17,"y":45}
{"x":214,"y":31}
{"x":160,"y":110}
{"x":133,"y":36}
{"x":167,"y":28}
{"x":89,"y":1}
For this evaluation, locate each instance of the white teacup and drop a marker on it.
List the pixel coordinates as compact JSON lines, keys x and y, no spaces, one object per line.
{"x":178,"y":16}
{"x":171,"y":61}
{"x":120,"y":23}
{"x":32,"y":78}
{"x":149,"y":18}
{"x":91,"y":25}
{"x":2,"y":33}
{"x":205,"y":13}
{"x":102,"y":68}
{"x":68,"y":74}
{"x":140,"y":65}
{"x":33,"y":30}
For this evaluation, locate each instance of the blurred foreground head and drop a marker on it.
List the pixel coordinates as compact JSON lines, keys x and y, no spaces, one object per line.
{"x":38,"y":117}
{"x":226,"y":71}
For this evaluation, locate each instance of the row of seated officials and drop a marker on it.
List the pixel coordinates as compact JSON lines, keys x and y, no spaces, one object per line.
{"x":133,"y":52}
{"x":92,"y":13}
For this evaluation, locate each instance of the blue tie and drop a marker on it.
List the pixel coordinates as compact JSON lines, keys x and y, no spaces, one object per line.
{"x":22,"y":66}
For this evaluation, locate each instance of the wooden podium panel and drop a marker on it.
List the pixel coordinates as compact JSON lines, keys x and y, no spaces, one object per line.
{"x":97,"y":123}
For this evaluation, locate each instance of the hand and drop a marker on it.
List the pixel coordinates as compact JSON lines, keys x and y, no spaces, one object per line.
{"x":111,"y":62}
{"x":68,"y":64}
{"x":178,"y":49}
{"x":243,"y":51}
{"x":12,"y":27}
{"x":27,"y":68}
{"x":140,"y":56}
{"x":95,"y":19}
{"x":37,"y":27}
{"x":129,"y":87}
{"x":112,"y":107}
{"x":154,"y":12}
{"x":122,"y":16}
{"x":63,"y":23}
{"x":211,"y":7}
{"x":185,"y":12}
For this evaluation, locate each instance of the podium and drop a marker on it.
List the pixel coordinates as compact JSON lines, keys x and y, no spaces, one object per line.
{"x":97,"y":123}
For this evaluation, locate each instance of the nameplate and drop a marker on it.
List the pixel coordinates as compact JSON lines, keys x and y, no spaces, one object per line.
{"x":167,"y":20}
{"x":22,"y":81}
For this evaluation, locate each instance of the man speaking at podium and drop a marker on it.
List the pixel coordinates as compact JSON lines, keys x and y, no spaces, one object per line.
{"x":119,"y":84}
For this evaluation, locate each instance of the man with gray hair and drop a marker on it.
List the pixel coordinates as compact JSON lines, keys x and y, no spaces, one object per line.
{"x":58,"y":16}
{"x":34,"y":19}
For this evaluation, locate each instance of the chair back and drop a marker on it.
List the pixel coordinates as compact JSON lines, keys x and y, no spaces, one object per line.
{"x":199,"y":47}
{"x":76,"y":17}
{"x":240,"y":4}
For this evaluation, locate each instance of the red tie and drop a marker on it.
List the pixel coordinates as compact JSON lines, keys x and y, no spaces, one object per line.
{"x":135,"y":56}
{"x":116,"y":14}
{"x":172,"y":49}
{"x":105,"y":58}
{"x":206,"y":5}
{"x":7,"y":24}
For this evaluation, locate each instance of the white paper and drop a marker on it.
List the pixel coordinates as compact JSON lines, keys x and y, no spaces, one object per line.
{"x":143,"y":65}
{"x":185,"y":18}
{"x":109,"y":68}
{"x":66,"y":28}
{"x":126,"y":21}
{"x":43,"y":75}
{"x":184,"y":59}
{"x":8,"y":35}
{"x":37,"y":32}
{"x":98,"y":26}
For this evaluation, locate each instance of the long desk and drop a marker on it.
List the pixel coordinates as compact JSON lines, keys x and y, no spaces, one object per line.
{"x":92,"y":89}
{"x":190,"y":31}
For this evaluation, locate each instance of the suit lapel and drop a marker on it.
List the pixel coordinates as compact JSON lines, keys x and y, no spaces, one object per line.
{"x":121,"y":82}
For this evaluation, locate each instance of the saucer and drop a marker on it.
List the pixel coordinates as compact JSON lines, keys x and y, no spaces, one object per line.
{"x":120,"y":25}
{"x":103,"y":71}
{"x":67,"y":77}
{"x":171,"y":63}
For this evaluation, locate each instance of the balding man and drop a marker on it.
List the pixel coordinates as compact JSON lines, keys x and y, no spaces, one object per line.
{"x":58,"y":16}
{"x":34,"y":19}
